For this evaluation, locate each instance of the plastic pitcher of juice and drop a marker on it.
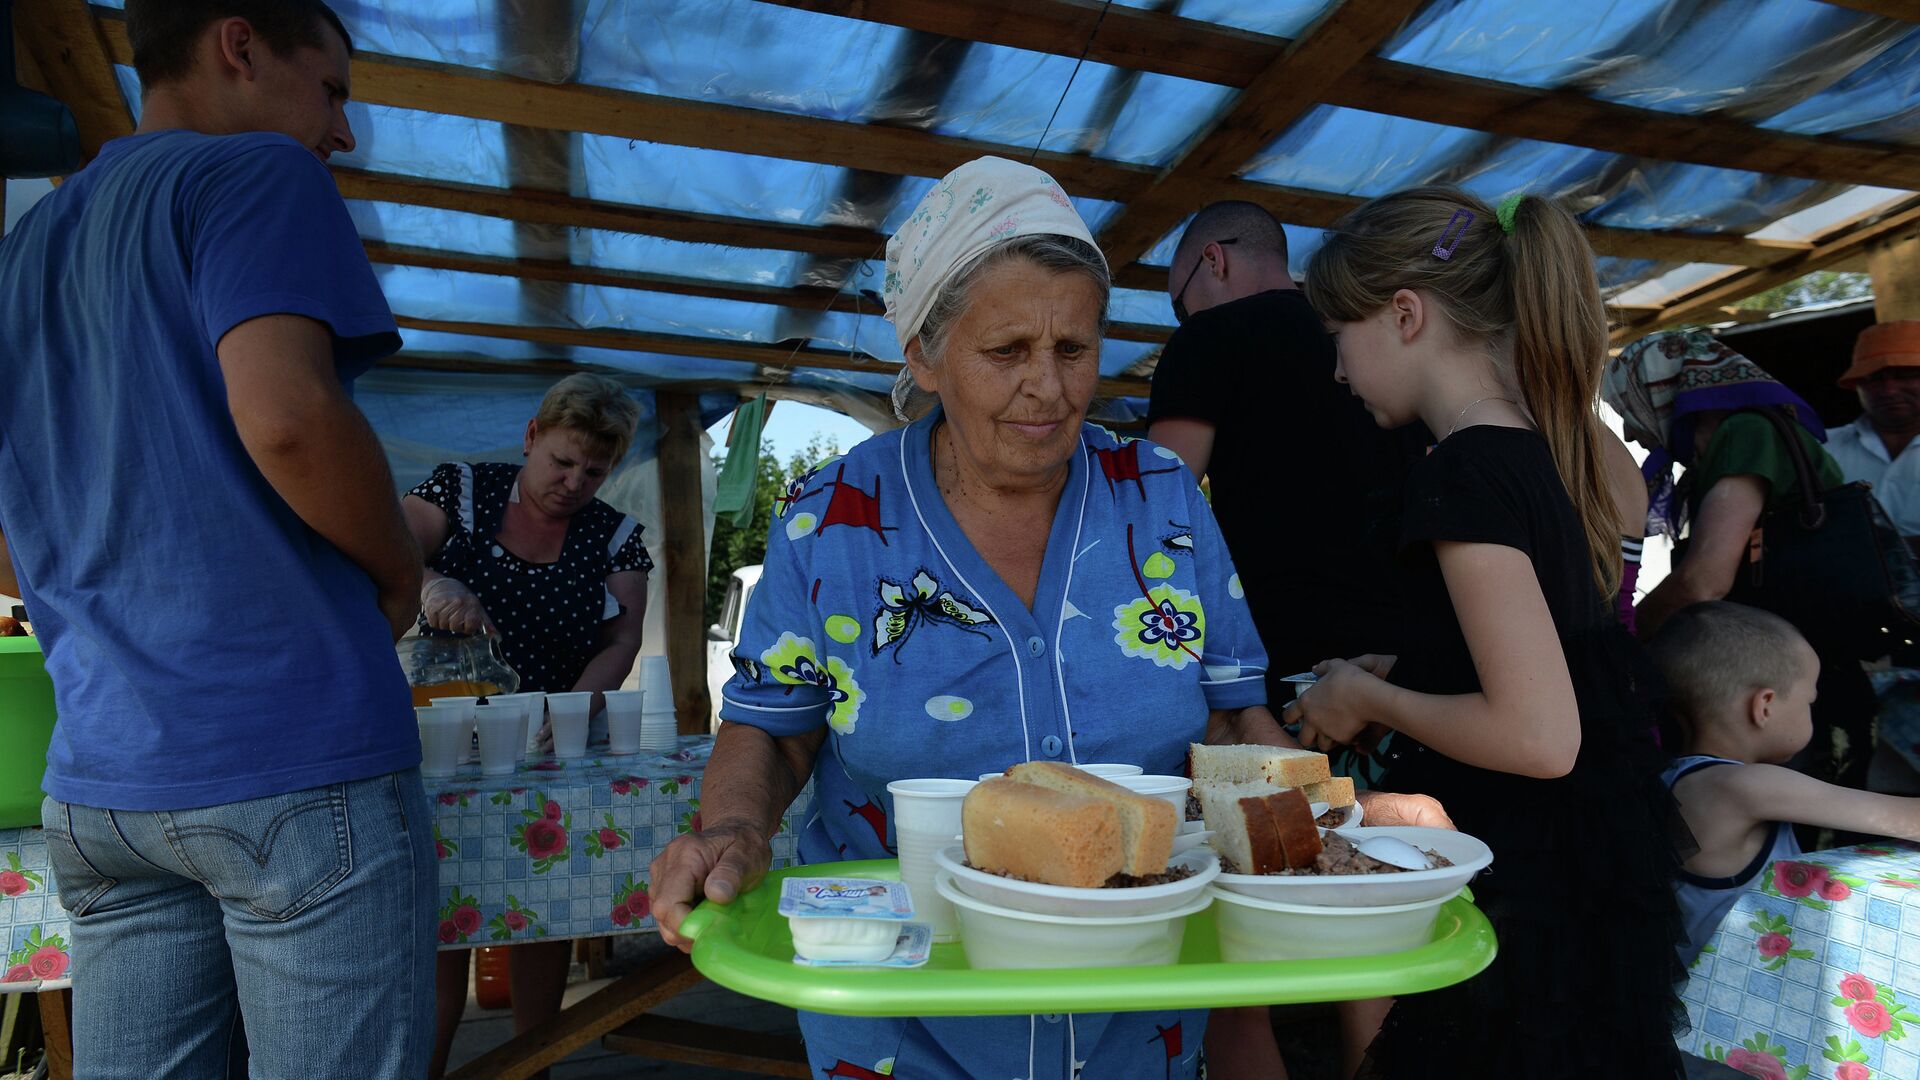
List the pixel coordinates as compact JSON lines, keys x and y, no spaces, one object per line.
{"x":455,"y":665}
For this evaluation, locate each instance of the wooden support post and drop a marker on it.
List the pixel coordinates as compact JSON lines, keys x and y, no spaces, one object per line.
{"x":619,"y":1003}
{"x":56,"y":1026}
{"x":684,"y":541}
{"x":1895,"y":269}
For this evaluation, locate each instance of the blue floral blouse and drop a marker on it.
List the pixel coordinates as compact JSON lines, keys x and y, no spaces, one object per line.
{"x":876,"y":619}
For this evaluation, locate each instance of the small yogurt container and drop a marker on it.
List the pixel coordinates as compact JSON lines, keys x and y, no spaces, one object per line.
{"x":846,"y":920}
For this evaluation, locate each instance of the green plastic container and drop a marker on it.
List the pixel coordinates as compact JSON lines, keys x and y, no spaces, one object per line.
{"x":745,"y":946}
{"x":26,"y":726}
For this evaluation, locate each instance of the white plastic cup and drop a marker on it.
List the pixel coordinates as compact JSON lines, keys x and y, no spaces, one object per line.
{"x":536,"y":718}
{"x":568,"y":714}
{"x":522,"y":700}
{"x":466,"y":706}
{"x":1171,"y":788}
{"x":926,"y":818}
{"x":1111,"y":770}
{"x":624,"y":727}
{"x":441,"y":729}
{"x":499,"y":736}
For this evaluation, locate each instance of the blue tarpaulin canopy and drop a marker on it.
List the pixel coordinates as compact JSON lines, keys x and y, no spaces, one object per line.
{"x":695,"y":194}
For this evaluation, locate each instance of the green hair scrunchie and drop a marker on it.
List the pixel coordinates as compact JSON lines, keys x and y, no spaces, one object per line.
{"x":1507,"y":209}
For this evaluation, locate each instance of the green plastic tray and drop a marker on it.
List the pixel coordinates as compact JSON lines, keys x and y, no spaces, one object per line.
{"x":26,"y":726}
{"x":745,"y":946}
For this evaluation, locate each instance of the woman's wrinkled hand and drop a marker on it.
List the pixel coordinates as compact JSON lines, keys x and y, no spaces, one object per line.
{"x":1394,"y":808}
{"x":1333,"y":712}
{"x":450,"y":605}
{"x":718,"y":864}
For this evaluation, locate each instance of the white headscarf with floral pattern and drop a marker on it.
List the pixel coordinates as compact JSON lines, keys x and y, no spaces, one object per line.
{"x":971,"y":209}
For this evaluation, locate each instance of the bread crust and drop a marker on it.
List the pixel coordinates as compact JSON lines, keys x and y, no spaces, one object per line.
{"x":1040,"y":834}
{"x":1147,"y":824}
{"x":1336,"y":793}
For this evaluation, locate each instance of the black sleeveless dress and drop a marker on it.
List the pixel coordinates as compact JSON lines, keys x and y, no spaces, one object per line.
{"x":549,"y":614}
{"x":1580,"y":890}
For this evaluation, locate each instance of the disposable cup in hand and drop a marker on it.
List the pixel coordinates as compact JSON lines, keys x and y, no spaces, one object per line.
{"x":441,"y":731}
{"x":926,"y":818}
{"x":466,"y":706}
{"x":623,"y":720}
{"x":568,"y":714}
{"x":499,"y":736}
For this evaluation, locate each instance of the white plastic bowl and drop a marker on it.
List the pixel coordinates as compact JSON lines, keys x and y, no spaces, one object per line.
{"x":996,"y":937}
{"x":1469,"y":857}
{"x":1171,"y":788}
{"x":1252,"y":929}
{"x":1038,"y":899}
{"x":1106,"y":771}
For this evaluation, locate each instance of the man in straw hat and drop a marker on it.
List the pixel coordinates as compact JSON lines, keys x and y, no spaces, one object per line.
{"x":1880,"y":447}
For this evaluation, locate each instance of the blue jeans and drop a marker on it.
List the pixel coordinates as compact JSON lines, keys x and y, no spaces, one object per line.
{"x":310,"y":915}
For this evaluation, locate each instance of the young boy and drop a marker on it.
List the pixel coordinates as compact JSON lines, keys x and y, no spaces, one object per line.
{"x":1740,"y":684}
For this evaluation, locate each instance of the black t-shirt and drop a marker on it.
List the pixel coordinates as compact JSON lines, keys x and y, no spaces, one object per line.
{"x":1306,"y":486}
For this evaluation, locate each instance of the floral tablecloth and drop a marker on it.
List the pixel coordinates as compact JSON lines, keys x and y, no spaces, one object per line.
{"x":1816,"y":971}
{"x":555,"y":850}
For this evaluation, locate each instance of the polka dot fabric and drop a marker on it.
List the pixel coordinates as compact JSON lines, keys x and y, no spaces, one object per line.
{"x":549,"y":614}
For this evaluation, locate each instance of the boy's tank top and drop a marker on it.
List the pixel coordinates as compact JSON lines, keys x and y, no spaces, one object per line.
{"x":1704,"y":901}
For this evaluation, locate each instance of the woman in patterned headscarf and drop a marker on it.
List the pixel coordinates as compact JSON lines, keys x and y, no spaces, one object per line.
{"x":997,"y":582}
{"x":1689,"y":399}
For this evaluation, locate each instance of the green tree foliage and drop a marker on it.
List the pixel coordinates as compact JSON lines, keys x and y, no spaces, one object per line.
{"x":1818,"y":287}
{"x":733,"y":547}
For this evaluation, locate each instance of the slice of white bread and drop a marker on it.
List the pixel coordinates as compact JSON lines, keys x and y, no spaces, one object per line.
{"x":1275,"y":765}
{"x":1336,"y":793}
{"x":1039,"y":834}
{"x":1259,"y":828}
{"x":1147,"y":824}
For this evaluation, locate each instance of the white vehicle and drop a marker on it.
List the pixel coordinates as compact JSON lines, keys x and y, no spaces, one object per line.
{"x":722,"y":635}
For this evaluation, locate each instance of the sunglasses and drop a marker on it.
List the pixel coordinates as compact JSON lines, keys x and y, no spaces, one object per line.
{"x":1180,"y":298}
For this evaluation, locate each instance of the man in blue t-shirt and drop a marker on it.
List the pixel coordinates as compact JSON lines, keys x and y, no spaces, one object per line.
{"x":206,"y":533}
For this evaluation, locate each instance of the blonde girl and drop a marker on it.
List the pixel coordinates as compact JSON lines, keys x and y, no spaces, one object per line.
{"x":1516,"y":705}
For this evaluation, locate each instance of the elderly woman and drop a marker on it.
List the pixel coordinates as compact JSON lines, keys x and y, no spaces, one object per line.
{"x":528,"y":553}
{"x":1689,"y":399}
{"x":997,"y":582}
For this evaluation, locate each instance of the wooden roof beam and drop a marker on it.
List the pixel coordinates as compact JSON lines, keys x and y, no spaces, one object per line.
{"x":799,"y":297}
{"x":773,"y":357}
{"x":70,"y":55}
{"x":1843,"y":242}
{"x":1151,"y":41}
{"x":485,"y":95}
{"x":1270,"y":104}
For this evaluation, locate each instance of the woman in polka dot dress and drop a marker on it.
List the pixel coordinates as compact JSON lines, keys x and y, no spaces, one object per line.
{"x":528,"y":553}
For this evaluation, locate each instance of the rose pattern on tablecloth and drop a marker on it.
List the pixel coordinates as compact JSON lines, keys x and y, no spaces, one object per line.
{"x":17,"y":880}
{"x":544,"y":834}
{"x":43,"y":957}
{"x":476,"y":818}
{"x":610,"y":837}
{"x":516,"y":920}
{"x":1804,"y":977}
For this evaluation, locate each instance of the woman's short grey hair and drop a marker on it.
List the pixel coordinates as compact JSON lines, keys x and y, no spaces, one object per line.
{"x":1060,"y":254}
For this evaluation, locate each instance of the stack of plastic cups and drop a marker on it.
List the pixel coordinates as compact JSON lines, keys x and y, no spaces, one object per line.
{"x":441,"y":730}
{"x":568,"y":713}
{"x":499,"y":734}
{"x":926,"y":818}
{"x":466,"y":706}
{"x":624,"y":711}
{"x":659,"y":731}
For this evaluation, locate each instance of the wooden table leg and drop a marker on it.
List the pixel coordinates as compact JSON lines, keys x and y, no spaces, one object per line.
{"x":56,"y":1012}
{"x":609,"y":1008}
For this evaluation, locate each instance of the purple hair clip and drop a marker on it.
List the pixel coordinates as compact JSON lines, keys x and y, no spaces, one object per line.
{"x":1450,"y":239}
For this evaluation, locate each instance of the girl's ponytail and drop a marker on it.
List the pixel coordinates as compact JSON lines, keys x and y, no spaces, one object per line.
{"x":1559,"y":356}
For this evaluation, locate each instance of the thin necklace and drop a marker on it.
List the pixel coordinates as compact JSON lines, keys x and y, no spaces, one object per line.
{"x":1471,"y":404}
